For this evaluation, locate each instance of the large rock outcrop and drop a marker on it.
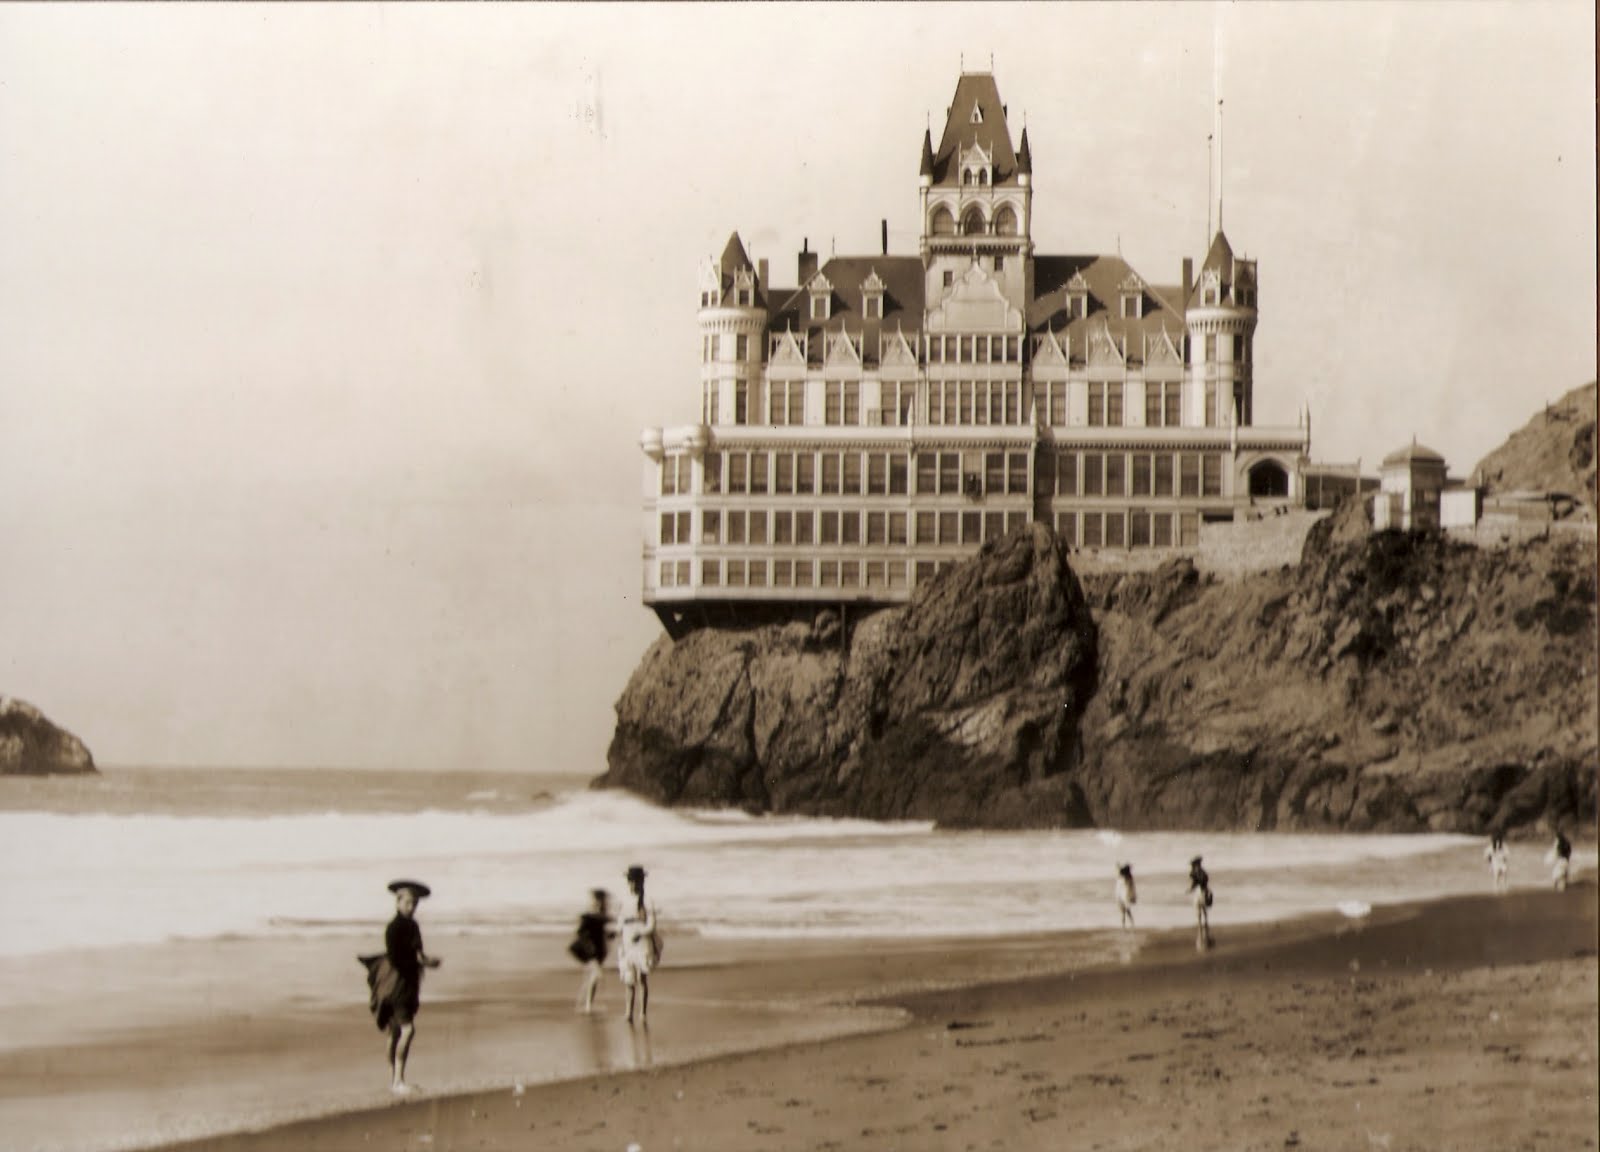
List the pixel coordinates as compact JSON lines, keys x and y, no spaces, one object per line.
{"x":1394,"y":682}
{"x":962,"y":707}
{"x":1553,"y":452}
{"x":30,"y":745}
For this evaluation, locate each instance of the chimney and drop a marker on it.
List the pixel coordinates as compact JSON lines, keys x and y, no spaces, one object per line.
{"x":761,"y":272}
{"x":808,"y":262}
{"x":1188,"y":278}
{"x":886,"y":237}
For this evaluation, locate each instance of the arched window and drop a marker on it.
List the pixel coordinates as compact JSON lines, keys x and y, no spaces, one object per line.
{"x":1005,"y":221}
{"x":983,"y":176}
{"x":944,"y":224}
{"x":966,"y":176}
{"x":1268,"y":479}
{"x":972,"y":223}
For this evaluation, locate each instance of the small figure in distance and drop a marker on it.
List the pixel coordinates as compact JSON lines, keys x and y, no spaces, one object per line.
{"x":636,"y":949}
{"x":1127,"y":894}
{"x":1200,"y":885}
{"x":404,"y":951}
{"x":1499,"y":862}
{"x":590,"y":945}
{"x":1560,"y":859}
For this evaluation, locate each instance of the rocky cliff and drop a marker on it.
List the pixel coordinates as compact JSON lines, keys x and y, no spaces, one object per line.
{"x":30,"y":745}
{"x":963,"y":707}
{"x":1553,"y":452}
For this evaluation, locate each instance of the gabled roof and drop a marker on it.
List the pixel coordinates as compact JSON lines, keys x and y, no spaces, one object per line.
{"x":735,"y":259}
{"x":975,"y":90}
{"x":1104,"y":276}
{"x":1219,"y":260}
{"x":903,"y":284}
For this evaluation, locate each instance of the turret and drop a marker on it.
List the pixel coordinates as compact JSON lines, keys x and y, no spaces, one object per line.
{"x":733,"y":320}
{"x":1220,"y":314}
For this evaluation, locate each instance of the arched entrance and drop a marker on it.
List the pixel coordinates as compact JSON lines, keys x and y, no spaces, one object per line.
{"x":1269,"y":480}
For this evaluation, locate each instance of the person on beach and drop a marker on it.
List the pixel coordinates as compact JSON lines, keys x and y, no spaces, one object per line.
{"x":590,"y":945}
{"x":1127,"y":895}
{"x":1499,"y":862}
{"x":1200,"y":886}
{"x":407,"y":959}
{"x":637,"y":949}
{"x":1560,"y":859}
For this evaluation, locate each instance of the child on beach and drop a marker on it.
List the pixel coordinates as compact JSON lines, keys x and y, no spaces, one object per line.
{"x":636,"y":946}
{"x":1499,"y":862}
{"x":1127,"y":895}
{"x":589,"y":947}
{"x":1200,"y":885}
{"x":1560,"y":859}
{"x":404,"y":952}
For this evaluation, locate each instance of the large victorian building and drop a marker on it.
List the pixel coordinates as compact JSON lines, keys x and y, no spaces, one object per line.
{"x":889,"y":414}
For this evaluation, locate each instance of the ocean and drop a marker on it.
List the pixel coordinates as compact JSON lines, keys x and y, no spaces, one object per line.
{"x":164,"y":910}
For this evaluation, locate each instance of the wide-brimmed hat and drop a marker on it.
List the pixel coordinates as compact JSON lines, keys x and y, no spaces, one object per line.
{"x":416,"y":887}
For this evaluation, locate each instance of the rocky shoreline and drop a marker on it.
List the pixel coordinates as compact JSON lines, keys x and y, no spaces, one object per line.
{"x":30,"y":745}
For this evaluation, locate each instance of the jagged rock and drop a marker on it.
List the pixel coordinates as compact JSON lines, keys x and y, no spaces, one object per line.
{"x":30,"y":745}
{"x":961,"y":707}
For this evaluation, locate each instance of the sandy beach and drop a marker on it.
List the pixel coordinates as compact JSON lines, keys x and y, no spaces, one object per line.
{"x":1464,"y":1023}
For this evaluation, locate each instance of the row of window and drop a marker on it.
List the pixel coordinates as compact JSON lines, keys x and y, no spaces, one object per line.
{"x":808,"y":473}
{"x":966,"y":402}
{"x":788,"y":527}
{"x":1129,"y":528}
{"x":713,"y":346}
{"x":794,"y":573}
{"x":940,"y":348}
{"x":1154,"y":474}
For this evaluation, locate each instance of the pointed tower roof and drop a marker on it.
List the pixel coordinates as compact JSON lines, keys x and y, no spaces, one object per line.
{"x":976,"y":117}
{"x":927,"y":153}
{"x":734,"y":256}
{"x":1219,"y":260}
{"x":1024,"y":155}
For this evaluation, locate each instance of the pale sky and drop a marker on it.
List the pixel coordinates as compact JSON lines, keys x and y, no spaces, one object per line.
{"x":327,"y":334}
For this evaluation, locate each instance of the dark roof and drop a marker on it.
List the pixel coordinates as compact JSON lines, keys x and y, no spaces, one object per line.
{"x":1219,"y":258}
{"x":926,"y":167}
{"x":1413,"y":453}
{"x":1025,"y":155}
{"x":975,"y":88}
{"x":1103,"y":278}
{"x":903,"y":283}
{"x":734,"y":257}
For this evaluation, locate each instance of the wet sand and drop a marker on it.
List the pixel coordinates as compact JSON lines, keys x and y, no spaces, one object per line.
{"x":1467,"y":1023}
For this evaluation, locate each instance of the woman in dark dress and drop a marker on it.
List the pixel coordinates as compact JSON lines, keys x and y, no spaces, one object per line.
{"x":404,"y":952}
{"x":590,"y":945}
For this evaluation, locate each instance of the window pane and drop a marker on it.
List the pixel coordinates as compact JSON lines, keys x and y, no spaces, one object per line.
{"x":925,"y":528}
{"x":758,"y":527}
{"x":877,"y":473}
{"x":738,"y":463}
{"x":829,"y":528}
{"x":805,"y":473}
{"x":1116,"y":464}
{"x":852,"y":473}
{"x":850,"y":528}
{"x":1141,"y":475}
{"x":1163,"y":464}
{"x":758,"y":473}
{"x":1189,"y":474}
{"x":1067,"y":474}
{"x":712,"y":472}
{"x":897,"y":474}
{"x":830,"y":473}
{"x":897,"y":527}
{"x":783,"y":478}
{"x":735,"y":528}
{"x":1093,"y":476}
{"x":711,"y":526}
{"x":1017,"y":473}
{"x":927,"y":472}
{"x":1114,"y":529}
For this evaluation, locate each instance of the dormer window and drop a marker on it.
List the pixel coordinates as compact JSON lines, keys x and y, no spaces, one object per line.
{"x":977,"y":166}
{"x":1132,"y":290}
{"x":872,"y":290}
{"x":1077,"y":297}
{"x":821,"y":297}
{"x":977,"y":114}
{"x":1210,"y":288}
{"x":744,"y":288}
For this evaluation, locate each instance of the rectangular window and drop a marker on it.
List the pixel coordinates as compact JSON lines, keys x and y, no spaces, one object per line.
{"x":877,"y":474}
{"x":685,"y":533}
{"x":980,"y":403}
{"x":1172,"y":404}
{"x":804,"y":525}
{"x":850,"y":573}
{"x":927,"y":528}
{"x":741,"y":348}
{"x":875,"y":528}
{"x":1189,"y":474}
{"x":994,"y":472}
{"x":668,"y":530}
{"x":783,"y":528}
{"x":738,"y":467}
{"x":1189,"y":530}
{"x":1017,"y":473}
{"x":898,"y":466}
{"x":805,"y":473}
{"x":711,"y":573}
{"x":758,"y":527}
{"x":897,"y":573}
{"x":832,"y":402}
{"x":849,"y":527}
{"x":925,"y":570}
{"x":741,"y":403}
{"x":1044,"y":478}
{"x":1161,"y":529}
{"x":711,"y":415}
{"x":971,"y":527}
{"x":830,"y":574}
{"x":1092,"y":536}
{"x":711,"y":472}
{"x":685,"y":475}
{"x":875,"y":576}
{"x":1163,"y":464}
{"x":1116,"y":469}
{"x":735,"y":528}
{"x":1067,"y":474}
{"x":1152,"y":404}
{"x":830,"y":473}
{"x":1211,"y":474}
{"x":1114,"y":405}
{"x":797,"y":403}
{"x":994,"y":525}
{"x":802,"y":573}
{"x":1115,"y":524}
{"x":783,"y":474}
{"x":736,"y":573}
{"x":1097,"y":405}
{"x":1211,"y":404}
{"x":1058,"y":402}
{"x":758,"y":573}
{"x":949,"y":472}
{"x":782,"y":573}
{"x":1141,"y":475}
{"x":711,"y":526}
{"x":927,"y":472}
{"x":829,"y":528}
{"x":949,"y":528}
{"x":852,"y":402}
{"x":1211,"y":348}
{"x":758,"y":473}
{"x":664,"y":577}
{"x":852,"y":473}
{"x":683,"y":573}
{"x":897,"y":527}
{"x":1093,"y":474}
{"x":874,"y":307}
{"x":1138,"y":529}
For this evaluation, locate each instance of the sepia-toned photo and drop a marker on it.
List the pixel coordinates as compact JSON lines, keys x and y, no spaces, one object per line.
{"x":803,"y":576}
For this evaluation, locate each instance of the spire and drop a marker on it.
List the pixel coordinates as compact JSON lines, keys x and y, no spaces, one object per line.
{"x":927,"y":152}
{"x":1024,"y":155}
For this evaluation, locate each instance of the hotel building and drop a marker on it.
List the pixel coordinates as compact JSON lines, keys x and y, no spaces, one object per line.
{"x":890,"y":413}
